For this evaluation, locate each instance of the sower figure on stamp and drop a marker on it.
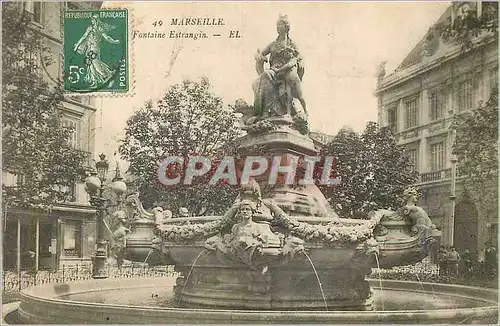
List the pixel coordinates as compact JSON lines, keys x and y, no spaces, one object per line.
{"x":98,"y":72}
{"x":276,"y":88}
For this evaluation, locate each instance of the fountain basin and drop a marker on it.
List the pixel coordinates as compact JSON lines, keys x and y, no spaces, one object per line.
{"x":272,"y":283}
{"x":261,"y":268}
{"x":150,"y":301}
{"x":139,"y":240}
{"x":139,"y":248}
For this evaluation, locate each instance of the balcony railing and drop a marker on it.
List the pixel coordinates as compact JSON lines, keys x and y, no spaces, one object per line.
{"x":440,"y":175}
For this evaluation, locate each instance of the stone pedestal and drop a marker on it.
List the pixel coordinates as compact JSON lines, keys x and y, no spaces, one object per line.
{"x":304,"y":200}
{"x":99,"y":265}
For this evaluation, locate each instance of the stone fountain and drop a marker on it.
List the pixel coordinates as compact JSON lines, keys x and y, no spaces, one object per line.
{"x":280,"y":254}
{"x":247,"y":259}
{"x":286,"y":248}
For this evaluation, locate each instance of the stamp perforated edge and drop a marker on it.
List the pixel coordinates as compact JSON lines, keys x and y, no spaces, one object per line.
{"x":131,"y":59}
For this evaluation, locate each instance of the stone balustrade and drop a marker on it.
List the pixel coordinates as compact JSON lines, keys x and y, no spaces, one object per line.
{"x":440,"y":175}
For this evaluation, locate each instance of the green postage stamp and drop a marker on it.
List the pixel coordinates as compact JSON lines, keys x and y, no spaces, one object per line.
{"x":96,"y":56}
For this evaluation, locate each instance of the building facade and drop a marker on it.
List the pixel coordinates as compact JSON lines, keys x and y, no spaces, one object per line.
{"x":66,"y":234}
{"x":320,"y":139}
{"x":437,"y":80}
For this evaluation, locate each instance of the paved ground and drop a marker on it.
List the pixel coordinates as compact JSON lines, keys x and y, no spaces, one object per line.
{"x":10,"y":297}
{"x":7,"y":309}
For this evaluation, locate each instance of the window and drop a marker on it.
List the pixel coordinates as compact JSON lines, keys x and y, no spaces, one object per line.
{"x":392,"y":119}
{"x":19,"y":180}
{"x":437,"y":156}
{"x":71,"y":5}
{"x":465,"y":95}
{"x":8,"y":179}
{"x":493,"y":79}
{"x":413,"y":155}
{"x":38,"y":12}
{"x":28,"y":58}
{"x":437,"y":104}
{"x":34,"y":62}
{"x":72,"y":193}
{"x":75,"y":129}
{"x":76,"y":98}
{"x":411,"y":113}
{"x":35,"y":8}
{"x":28,"y":6}
{"x":72,"y":238}
{"x":489,"y":11}
{"x":60,"y":69}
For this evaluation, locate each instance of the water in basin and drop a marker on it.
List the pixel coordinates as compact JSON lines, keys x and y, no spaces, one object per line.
{"x":394,"y":300}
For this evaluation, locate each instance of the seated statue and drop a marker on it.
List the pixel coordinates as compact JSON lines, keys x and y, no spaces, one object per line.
{"x":278,"y":90}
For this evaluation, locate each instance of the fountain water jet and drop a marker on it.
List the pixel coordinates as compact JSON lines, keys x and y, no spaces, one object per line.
{"x":380,"y":282}
{"x":189,"y":274}
{"x":147,"y":257}
{"x":317,"y":277}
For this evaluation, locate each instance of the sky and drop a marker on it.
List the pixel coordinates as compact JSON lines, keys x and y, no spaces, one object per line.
{"x":342,"y":44}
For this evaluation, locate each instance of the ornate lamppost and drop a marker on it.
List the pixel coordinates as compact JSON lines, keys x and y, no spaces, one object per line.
{"x":453,"y":183}
{"x":453,"y":198}
{"x":95,"y":186}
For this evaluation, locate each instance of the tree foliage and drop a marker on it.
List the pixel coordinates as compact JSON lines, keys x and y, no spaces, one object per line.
{"x":476,"y":147}
{"x":374,"y":171}
{"x":189,"y":120}
{"x":35,"y":142}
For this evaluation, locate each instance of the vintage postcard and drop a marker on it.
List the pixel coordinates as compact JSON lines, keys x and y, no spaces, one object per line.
{"x":243,"y":162}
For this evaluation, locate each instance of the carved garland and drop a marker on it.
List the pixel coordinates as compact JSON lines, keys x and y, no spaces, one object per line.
{"x":330,"y":234}
{"x":262,"y":126}
{"x":191,"y":232}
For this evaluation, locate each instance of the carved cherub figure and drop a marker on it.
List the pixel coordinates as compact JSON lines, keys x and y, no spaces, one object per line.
{"x":119,"y":242}
{"x":247,"y":112}
{"x":410,"y":196}
{"x":246,"y":227}
{"x":161,"y":216}
{"x":183,"y":212}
